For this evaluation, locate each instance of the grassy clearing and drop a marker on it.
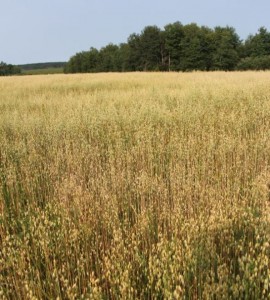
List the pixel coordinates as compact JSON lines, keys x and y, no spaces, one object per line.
{"x":135,"y":186}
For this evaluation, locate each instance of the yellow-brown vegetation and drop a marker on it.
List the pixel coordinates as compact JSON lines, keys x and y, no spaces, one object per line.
{"x":135,"y":186}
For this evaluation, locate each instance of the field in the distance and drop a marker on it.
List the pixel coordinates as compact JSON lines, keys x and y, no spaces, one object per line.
{"x":42,"y":68}
{"x":45,"y":71}
{"x":135,"y":186}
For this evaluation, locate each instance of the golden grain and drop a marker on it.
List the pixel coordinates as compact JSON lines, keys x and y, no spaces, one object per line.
{"x":135,"y":186}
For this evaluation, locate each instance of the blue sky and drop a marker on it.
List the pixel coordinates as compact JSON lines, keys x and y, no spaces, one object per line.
{"x":53,"y":30}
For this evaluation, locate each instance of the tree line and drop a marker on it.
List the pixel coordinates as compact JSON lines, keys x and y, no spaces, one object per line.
{"x":8,"y":69}
{"x":40,"y":66}
{"x":36,"y":68}
{"x":178,"y":48}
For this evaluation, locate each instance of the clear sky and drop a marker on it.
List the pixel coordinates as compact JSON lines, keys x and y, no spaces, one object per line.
{"x":53,"y":30}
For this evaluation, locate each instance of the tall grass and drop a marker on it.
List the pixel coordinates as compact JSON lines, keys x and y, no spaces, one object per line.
{"x":135,"y":186}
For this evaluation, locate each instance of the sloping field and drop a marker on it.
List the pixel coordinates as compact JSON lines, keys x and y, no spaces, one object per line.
{"x":135,"y":186}
{"x":43,"y":71}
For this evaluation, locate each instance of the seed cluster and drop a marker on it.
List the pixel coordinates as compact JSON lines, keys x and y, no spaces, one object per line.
{"x":135,"y":186}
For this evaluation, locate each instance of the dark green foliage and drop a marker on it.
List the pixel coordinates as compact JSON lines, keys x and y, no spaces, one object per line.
{"x":227,"y":44}
{"x":258,"y":44}
{"x":196,"y":48}
{"x":255,"y":52}
{"x":152,"y":49}
{"x":109,"y":59}
{"x":174,"y":34}
{"x":6,"y":69}
{"x":254,"y":63}
{"x":134,"y":52}
{"x":178,"y":48}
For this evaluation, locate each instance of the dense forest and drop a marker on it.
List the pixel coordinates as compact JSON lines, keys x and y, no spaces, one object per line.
{"x":178,"y":48}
